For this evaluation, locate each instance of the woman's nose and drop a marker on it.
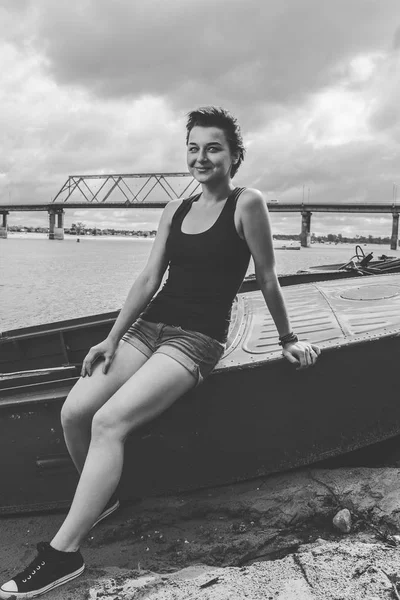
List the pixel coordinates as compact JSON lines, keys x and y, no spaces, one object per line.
{"x":202,"y":155}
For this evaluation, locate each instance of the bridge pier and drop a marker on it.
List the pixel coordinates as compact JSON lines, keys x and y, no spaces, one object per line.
{"x":56,"y":233}
{"x":305,"y":235}
{"x":3,"y":228}
{"x":395,"y":232}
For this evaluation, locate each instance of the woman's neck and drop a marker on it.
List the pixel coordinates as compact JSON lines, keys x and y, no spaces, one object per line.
{"x":212,"y":194}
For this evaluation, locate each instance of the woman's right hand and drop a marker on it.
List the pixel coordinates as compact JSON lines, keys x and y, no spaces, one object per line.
{"x":105,"y":350}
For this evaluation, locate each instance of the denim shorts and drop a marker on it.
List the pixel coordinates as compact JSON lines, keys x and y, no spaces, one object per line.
{"x":196,"y":351}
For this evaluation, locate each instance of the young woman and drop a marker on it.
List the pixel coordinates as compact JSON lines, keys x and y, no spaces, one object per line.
{"x":163,"y":345}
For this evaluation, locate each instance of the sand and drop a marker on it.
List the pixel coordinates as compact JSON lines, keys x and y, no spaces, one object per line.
{"x":266,"y":538}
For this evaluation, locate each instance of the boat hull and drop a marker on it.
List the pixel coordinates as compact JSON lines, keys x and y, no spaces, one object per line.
{"x":241,"y":425}
{"x":255,"y":415}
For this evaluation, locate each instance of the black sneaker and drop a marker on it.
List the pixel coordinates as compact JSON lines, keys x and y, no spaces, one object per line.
{"x":48,"y":570}
{"x":111,"y":506}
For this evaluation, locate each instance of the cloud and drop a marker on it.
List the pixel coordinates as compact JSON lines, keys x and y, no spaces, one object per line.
{"x":385,"y":117}
{"x":98,"y":87}
{"x":232,"y":51}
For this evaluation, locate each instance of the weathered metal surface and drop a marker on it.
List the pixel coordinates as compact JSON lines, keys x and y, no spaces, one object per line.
{"x":43,"y":347}
{"x":326,"y":313}
{"x":24,"y":378}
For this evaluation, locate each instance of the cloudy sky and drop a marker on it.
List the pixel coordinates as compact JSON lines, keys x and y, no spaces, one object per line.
{"x":103,"y":86}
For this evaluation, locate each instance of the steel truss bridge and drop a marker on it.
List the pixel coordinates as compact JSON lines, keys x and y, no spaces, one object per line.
{"x":126,"y":190}
{"x":155,"y":190}
{"x":117,"y":191}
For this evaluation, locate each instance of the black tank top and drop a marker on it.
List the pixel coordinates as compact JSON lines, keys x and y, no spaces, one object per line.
{"x":205,"y":273}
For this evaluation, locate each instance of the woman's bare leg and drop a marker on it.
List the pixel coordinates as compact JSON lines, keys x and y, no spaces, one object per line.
{"x":91,"y":393}
{"x":150,"y":391}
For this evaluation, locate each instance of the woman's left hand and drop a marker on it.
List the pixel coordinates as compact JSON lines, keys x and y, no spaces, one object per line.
{"x":301,"y":353}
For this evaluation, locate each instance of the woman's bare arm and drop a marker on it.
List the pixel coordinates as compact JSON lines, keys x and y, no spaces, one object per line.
{"x":140,"y":294}
{"x":256,"y":227}
{"x":148,"y":282}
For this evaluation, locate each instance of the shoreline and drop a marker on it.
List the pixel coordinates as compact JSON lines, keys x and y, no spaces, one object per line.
{"x":278,"y":243}
{"x":68,"y":237}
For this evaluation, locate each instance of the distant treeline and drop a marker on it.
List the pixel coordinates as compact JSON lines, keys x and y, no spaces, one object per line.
{"x":87,"y":231}
{"x":333,"y":238}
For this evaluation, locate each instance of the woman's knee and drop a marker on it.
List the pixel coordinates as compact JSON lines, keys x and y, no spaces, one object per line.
{"x":74,"y":411}
{"x":106,"y":426}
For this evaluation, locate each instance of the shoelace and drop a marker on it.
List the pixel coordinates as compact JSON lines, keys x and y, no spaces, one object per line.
{"x":35,"y":565}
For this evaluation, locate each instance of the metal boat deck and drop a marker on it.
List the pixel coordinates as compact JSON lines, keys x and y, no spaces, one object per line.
{"x":330,"y":314}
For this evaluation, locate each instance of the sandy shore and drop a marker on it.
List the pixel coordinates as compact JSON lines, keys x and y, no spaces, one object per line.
{"x":269,"y":538}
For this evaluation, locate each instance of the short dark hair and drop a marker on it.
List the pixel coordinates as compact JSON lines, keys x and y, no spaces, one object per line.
{"x":214,"y":116}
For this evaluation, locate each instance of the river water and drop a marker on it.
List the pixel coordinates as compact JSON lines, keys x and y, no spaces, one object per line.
{"x":45,"y":280}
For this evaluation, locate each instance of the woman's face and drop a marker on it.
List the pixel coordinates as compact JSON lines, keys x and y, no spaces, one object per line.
{"x":209,"y":157}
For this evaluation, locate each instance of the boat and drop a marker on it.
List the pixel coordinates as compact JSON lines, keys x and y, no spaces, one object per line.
{"x":31,"y":352}
{"x":290,"y":245}
{"x":359,"y":264}
{"x":254,"y":415}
